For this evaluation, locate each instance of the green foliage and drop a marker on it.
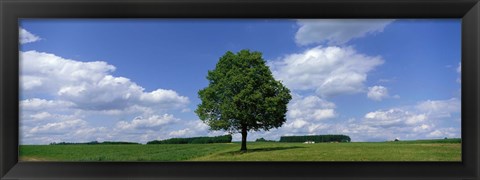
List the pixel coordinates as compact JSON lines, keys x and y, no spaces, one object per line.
{"x":194,"y":140}
{"x":316,"y":138}
{"x":243,"y":92}
{"x":263,"y":140}
{"x":260,"y":140}
{"x":118,"y":142}
{"x":242,"y":95}
{"x":92,"y":143}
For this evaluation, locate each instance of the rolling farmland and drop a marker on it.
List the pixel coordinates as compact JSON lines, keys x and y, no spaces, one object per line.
{"x":421,"y":150}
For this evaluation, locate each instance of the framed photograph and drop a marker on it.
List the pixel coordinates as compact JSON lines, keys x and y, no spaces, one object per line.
{"x":239,"y":89}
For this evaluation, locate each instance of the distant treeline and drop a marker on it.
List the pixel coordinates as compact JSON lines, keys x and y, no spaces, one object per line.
{"x":420,"y":141}
{"x":194,"y":140}
{"x":316,"y":138}
{"x":92,"y":143}
{"x":264,"y":140}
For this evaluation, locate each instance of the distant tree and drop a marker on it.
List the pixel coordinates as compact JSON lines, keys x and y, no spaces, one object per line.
{"x":260,"y":140}
{"x":243,"y":96}
{"x":195,"y":140}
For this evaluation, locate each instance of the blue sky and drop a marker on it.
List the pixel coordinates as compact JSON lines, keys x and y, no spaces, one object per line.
{"x":137,"y":80}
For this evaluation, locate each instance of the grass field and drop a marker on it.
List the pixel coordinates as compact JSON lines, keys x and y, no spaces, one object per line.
{"x":424,"y":150}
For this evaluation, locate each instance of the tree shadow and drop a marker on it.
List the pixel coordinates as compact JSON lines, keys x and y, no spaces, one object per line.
{"x":238,"y":152}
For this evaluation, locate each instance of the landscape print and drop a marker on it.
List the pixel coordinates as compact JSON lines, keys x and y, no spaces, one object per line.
{"x":240,"y":90}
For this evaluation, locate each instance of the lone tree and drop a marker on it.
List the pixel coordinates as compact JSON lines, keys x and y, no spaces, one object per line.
{"x":243,"y":96}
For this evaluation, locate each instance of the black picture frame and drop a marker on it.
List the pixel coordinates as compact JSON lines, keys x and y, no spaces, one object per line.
{"x":12,"y":10}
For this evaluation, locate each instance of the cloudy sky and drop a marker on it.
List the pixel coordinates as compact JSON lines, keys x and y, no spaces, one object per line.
{"x":137,"y":80}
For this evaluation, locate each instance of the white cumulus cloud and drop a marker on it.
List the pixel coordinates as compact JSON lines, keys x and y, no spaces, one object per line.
{"x":394,"y":117}
{"x":388,"y":118}
{"x":89,"y":85}
{"x":306,"y":115}
{"x":337,"y":31}
{"x":153,"y":122}
{"x":41,"y":116}
{"x":194,"y":128}
{"x":167,"y":97}
{"x":36,"y":104}
{"x":377,"y":93}
{"x":310,"y":107}
{"x":426,"y":119}
{"x":327,"y":70}
{"x":59,"y":127}
{"x":443,"y":132}
{"x":66,"y":98}
{"x":27,"y":37}
{"x":440,"y":108}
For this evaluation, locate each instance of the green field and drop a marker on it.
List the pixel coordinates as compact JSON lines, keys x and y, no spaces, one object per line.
{"x":424,"y":150}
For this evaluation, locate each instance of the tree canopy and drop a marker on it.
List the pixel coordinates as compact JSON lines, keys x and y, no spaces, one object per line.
{"x":243,"y":96}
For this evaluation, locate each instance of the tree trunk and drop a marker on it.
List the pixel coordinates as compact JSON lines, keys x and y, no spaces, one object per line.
{"x":244,"y":139}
